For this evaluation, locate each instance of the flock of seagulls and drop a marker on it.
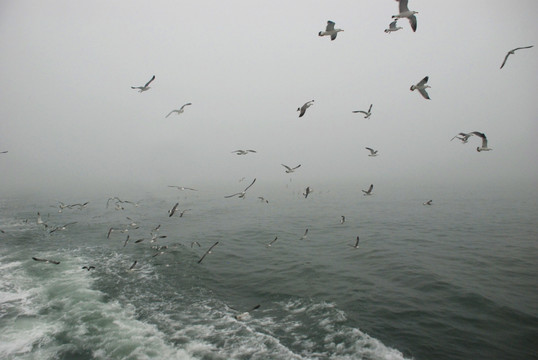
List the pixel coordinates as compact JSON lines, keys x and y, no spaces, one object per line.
{"x":331,"y":32}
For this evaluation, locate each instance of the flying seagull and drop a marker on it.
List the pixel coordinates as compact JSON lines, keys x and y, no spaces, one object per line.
{"x":182,"y":188}
{"x":242,"y":193}
{"x":307,"y":191}
{"x":511,"y":52}
{"x":171,"y":212}
{"x":463,"y":137}
{"x":4,"y":152}
{"x":272,"y":242}
{"x":393,"y":27}
{"x":243,"y":152}
{"x":330,"y":30}
{"x":405,"y":13}
{"x":304,"y":235}
{"x":207,"y":252}
{"x":366,"y":113}
{"x":179,"y":111}
{"x":262,"y":199}
{"x":343,"y":219}
{"x":356,"y":243}
{"x":421,"y":87}
{"x":126,"y":241}
{"x":429,"y":202}
{"x":181,"y":213}
{"x":134,"y":264}
{"x":245,"y":314}
{"x":47,"y":261}
{"x":484,"y":146}
{"x":91,"y":267}
{"x":372,"y":151}
{"x":195,"y":243}
{"x":290,"y":170}
{"x":303,"y":108}
{"x":369,"y":192}
{"x":145,"y":87}
{"x":63,"y":227}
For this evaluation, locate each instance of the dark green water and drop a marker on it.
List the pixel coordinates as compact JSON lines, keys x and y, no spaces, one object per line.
{"x":456,"y":280}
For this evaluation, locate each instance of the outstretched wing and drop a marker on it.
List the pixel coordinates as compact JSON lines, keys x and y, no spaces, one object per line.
{"x":252,"y":183}
{"x":424,"y":94}
{"x":149,"y":82}
{"x":330,"y":26}
{"x":187,"y":104}
{"x":286,"y":166}
{"x":413,"y":22}
{"x":505,"y":58}
{"x":423,"y":81}
{"x":403,"y":6}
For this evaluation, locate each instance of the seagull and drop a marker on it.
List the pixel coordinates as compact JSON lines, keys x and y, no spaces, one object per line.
{"x":179,"y":111}
{"x":207,"y":252}
{"x":242,"y":193}
{"x":372,"y":152}
{"x":182,"y":188}
{"x":343,"y":219}
{"x":392,"y":27}
{"x":134,"y":264}
{"x":243,"y":152}
{"x":91,"y":267}
{"x":4,"y":152}
{"x":366,"y":113}
{"x":39,"y":220}
{"x":171,"y":212}
{"x":272,"y":242}
{"x":262,"y":199}
{"x":304,"y":235}
{"x":64,"y":227}
{"x":330,"y":30}
{"x":429,"y":202}
{"x":484,"y":141}
{"x":356,"y":243}
{"x":126,"y":241}
{"x":369,"y":192}
{"x":421,"y":87}
{"x":47,"y":261}
{"x":145,"y":87}
{"x":290,"y":170}
{"x":307,"y":191}
{"x":303,"y":108}
{"x":154,"y":237}
{"x":405,"y":13}
{"x":244,"y":315}
{"x":195,"y":243}
{"x":80,"y":206}
{"x":183,"y":212}
{"x":511,"y":52}
{"x":463,"y":137}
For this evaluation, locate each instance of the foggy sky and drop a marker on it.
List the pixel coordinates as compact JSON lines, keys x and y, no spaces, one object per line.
{"x":71,"y":122}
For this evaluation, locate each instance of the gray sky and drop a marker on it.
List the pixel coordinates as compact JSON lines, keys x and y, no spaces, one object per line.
{"x":70,"y":120}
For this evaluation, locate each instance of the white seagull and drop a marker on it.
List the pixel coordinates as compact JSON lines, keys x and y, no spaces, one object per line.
{"x":303,"y":108}
{"x":145,"y":87}
{"x":179,"y":111}
{"x":511,"y":52}
{"x":272,"y":242}
{"x":207,"y":252}
{"x":182,"y":188}
{"x":366,"y":113}
{"x":405,"y":13}
{"x":304,"y":235}
{"x":356,"y":243}
{"x":369,"y":191}
{"x":290,"y":170}
{"x":393,"y":27}
{"x":343,"y":219}
{"x":242,"y":193}
{"x":173,"y":210}
{"x":484,"y":146}
{"x":421,"y":87}
{"x":330,"y":30}
{"x":429,"y":202}
{"x":243,"y":152}
{"x":307,"y":191}
{"x":372,"y":152}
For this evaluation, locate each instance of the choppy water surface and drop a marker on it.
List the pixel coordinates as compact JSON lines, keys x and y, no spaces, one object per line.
{"x":450,"y":281}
